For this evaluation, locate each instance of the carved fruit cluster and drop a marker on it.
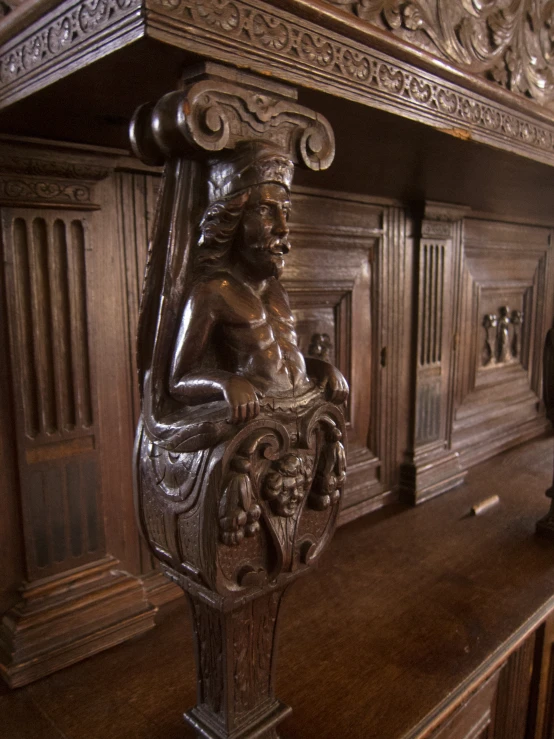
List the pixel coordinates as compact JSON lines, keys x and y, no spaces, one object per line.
{"x":239,"y":514}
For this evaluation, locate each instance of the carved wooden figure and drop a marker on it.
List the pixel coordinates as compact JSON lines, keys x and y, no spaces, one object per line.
{"x":239,"y":463}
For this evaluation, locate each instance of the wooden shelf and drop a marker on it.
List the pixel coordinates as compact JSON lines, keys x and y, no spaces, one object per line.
{"x":410,"y":612}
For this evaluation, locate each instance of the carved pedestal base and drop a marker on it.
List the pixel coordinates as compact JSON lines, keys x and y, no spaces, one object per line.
{"x":265,"y":728}
{"x":64,"y":619}
{"x":428,"y":476}
{"x":235,"y":650}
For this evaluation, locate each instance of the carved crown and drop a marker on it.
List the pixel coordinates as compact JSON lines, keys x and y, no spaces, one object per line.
{"x":254,"y":164}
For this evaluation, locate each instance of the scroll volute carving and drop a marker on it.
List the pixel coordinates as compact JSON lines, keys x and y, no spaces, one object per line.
{"x":240,"y":460}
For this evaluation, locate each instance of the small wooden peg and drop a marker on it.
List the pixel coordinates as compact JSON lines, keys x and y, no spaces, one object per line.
{"x":483,"y":506}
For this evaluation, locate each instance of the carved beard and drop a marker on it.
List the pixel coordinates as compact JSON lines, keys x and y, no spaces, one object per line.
{"x":267,"y":259}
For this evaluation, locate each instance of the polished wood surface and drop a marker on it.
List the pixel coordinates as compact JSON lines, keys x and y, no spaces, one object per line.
{"x":421,"y":266}
{"x":408,"y":616}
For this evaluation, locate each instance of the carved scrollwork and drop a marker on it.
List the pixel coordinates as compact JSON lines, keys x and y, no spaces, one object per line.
{"x":213,"y":114}
{"x":273,"y":474}
{"x":510,"y":43}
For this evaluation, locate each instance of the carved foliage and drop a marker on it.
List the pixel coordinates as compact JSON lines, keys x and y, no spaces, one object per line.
{"x":510,"y":43}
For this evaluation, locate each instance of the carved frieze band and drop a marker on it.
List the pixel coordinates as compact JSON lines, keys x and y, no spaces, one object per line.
{"x":14,"y":189}
{"x":53,"y":167}
{"x":288,"y":39}
{"x":510,"y":43}
{"x":60,"y":33}
{"x":360,"y":71}
{"x":53,"y":181}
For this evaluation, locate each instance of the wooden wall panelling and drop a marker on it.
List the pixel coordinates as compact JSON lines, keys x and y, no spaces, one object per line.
{"x":344,"y":277}
{"x":504,"y":311}
{"x":75,"y":600}
{"x":540,"y":724}
{"x":431,"y":467}
{"x":11,"y":534}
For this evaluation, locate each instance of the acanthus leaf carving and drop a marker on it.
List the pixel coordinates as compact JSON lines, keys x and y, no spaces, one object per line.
{"x":509,"y":43}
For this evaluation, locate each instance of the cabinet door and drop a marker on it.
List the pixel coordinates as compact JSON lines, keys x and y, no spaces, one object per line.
{"x":474,"y":718}
{"x":504,"y":311}
{"x":345,"y":282}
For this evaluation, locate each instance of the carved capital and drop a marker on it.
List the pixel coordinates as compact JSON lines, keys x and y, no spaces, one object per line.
{"x":61,"y":178}
{"x":214,"y":112}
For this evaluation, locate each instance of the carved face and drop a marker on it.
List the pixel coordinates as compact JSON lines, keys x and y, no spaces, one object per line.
{"x":285,"y":487}
{"x":264,"y":230}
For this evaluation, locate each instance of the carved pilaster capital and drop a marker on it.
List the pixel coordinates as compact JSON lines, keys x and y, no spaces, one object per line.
{"x":214,"y":112}
{"x":438,"y":219}
{"x":33,"y":175}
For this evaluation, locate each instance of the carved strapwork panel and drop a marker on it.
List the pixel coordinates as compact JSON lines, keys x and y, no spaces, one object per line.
{"x":505,"y":309}
{"x":46,"y":273}
{"x":432,"y":468}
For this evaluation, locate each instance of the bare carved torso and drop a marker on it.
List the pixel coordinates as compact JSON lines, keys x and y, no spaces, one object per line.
{"x":251,"y":333}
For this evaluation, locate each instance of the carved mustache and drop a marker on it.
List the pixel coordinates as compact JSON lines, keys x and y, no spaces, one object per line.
{"x":278,"y":246}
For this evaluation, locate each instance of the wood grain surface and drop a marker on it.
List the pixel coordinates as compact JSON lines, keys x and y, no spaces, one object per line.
{"x":408,"y":614}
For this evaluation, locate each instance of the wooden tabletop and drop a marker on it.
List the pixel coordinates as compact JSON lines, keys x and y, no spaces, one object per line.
{"x":408,"y":608}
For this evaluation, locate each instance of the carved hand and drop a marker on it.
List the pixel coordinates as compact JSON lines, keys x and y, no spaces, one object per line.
{"x":330,"y":378}
{"x":242,"y":399}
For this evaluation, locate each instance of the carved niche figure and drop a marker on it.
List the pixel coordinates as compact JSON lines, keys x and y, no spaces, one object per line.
{"x":239,"y":457}
{"x":503,"y":353}
{"x":490,"y":321}
{"x":320,"y":346}
{"x":517,"y":322}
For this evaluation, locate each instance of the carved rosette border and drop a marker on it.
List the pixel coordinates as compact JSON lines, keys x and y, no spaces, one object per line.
{"x":510,"y":43}
{"x":371,"y":76}
{"x":62,"y":32}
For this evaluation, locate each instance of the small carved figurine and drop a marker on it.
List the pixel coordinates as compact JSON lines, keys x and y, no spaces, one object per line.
{"x":490,"y":321}
{"x":239,"y":457}
{"x":517,"y":322}
{"x":320,"y":346}
{"x":503,"y":353}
